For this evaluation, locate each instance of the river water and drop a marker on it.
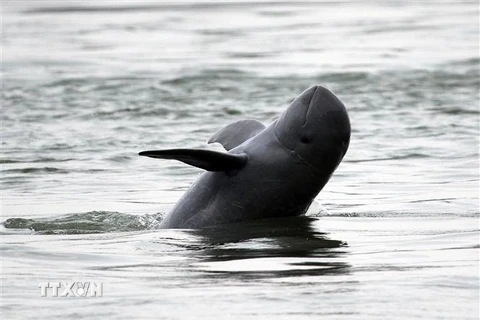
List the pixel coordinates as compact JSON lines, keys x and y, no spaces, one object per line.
{"x":86,"y":85}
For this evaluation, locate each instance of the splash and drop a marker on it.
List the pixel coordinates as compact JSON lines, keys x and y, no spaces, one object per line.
{"x":85,"y":223}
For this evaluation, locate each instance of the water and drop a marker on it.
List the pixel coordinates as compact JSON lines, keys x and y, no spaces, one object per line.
{"x":87,"y":85}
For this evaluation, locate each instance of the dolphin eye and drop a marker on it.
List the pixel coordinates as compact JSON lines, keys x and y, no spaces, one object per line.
{"x":305,"y":139}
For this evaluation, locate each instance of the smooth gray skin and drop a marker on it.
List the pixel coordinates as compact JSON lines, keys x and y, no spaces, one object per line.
{"x":287,"y":164}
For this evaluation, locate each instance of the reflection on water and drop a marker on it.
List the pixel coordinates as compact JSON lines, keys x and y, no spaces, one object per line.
{"x":270,"y":248}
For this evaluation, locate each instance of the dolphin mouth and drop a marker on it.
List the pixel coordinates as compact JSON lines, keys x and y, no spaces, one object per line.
{"x":324,"y":100}
{"x":316,"y":115}
{"x":310,"y":106}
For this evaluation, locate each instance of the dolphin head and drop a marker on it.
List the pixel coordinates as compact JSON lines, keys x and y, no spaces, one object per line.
{"x":316,"y":128}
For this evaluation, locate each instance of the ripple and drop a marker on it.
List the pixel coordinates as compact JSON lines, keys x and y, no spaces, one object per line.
{"x":44,"y":170}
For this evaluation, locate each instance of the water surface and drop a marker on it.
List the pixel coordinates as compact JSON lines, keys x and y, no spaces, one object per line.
{"x":87,"y":85}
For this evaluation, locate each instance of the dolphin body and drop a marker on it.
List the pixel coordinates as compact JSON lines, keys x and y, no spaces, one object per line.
{"x":267,"y":172}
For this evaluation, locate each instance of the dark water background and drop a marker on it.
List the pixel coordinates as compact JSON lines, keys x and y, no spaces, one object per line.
{"x":86,"y":85}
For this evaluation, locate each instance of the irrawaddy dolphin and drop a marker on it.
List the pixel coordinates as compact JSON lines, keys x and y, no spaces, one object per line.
{"x":267,"y":172}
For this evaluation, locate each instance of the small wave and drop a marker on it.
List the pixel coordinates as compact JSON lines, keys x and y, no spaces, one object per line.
{"x":85,"y":223}
{"x":456,"y":111}
{"x":187,"y":6}
{"x":36,"y":170}
{"x":206,"y":75}
{"x":399,"y":157}
{"x":398,"y":214}
{"x":88,"y":9}
{"x":39,"y":160}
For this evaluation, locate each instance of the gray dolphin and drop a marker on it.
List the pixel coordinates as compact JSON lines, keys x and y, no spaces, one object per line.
{"x":268,"y":172}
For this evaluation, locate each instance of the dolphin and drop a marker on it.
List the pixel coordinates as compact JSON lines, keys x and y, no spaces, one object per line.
{"x":267,"y":172}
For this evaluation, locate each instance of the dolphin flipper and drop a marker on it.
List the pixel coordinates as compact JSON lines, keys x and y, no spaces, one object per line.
{"x":204,"y":159}
{"x":236,"y":133}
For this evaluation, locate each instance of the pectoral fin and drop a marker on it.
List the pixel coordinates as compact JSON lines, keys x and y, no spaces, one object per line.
{"x":236,"y":133}
{"x":204,"y":159}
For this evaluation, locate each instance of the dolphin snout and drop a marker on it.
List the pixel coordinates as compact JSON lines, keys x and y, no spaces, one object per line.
{"x":325,"y":100}
{"x":317,"y":112}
